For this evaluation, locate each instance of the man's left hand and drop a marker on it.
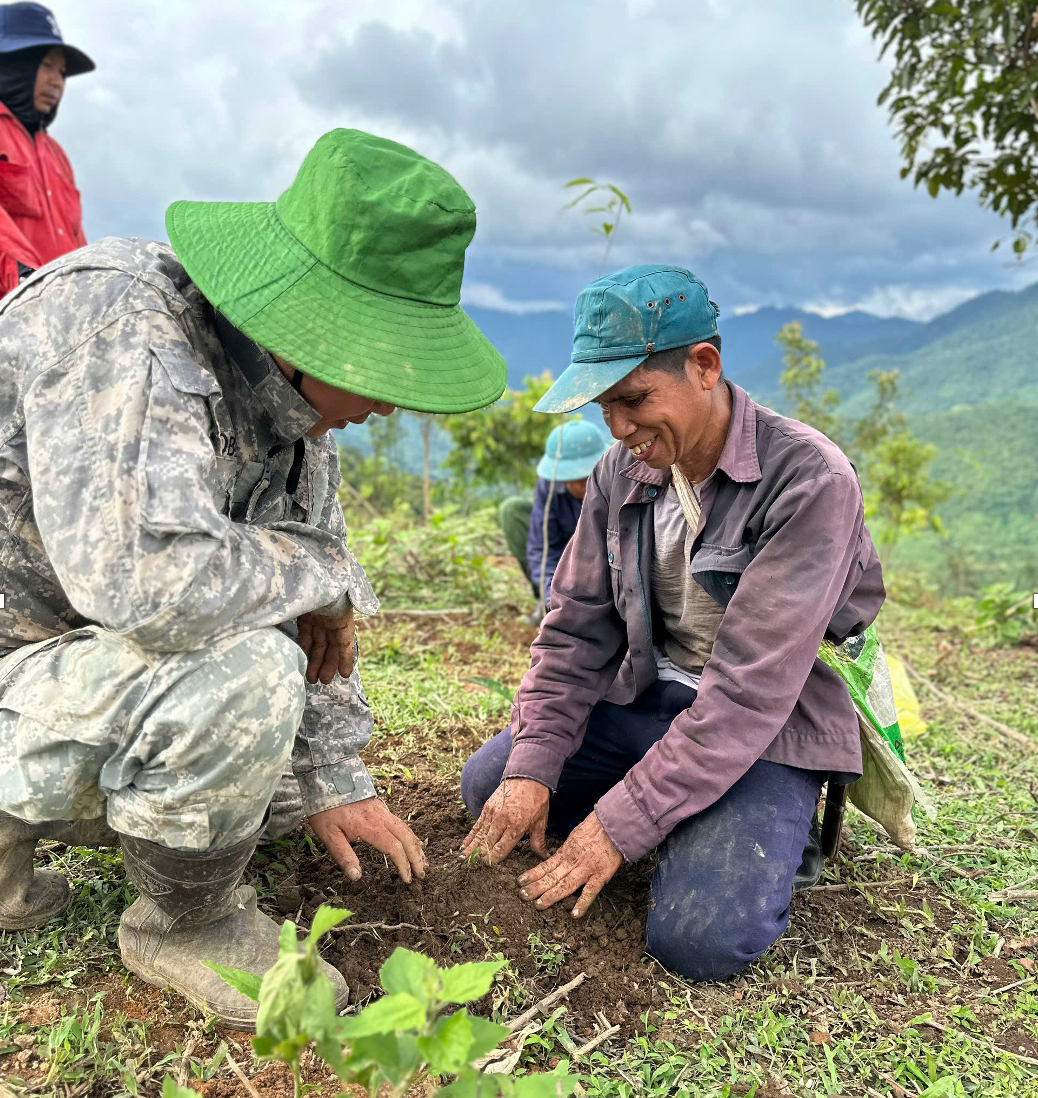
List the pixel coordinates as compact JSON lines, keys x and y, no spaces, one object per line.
{"x":586,"y":860}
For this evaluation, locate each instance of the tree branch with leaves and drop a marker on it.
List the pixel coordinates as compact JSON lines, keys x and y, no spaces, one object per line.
{"x":900,"y":495}
{"x":962,"y":98}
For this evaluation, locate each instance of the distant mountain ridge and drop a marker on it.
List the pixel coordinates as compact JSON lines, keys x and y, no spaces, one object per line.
{"x":968,"y":382}
{"x":542,"y":341}
{"x":999,"y":326}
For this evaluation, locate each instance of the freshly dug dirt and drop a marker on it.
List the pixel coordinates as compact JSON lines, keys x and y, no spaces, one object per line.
{"x":462,"y":911}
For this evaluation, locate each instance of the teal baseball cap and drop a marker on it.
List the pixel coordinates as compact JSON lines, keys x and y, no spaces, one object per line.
{"x":620,"y":320}
{"x":572,"y":451}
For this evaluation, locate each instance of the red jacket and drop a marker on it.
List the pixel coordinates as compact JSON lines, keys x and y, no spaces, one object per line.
{"x":40,"y":213}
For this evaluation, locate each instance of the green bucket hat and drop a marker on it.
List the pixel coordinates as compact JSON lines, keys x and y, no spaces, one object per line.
{"x":353,"y":275}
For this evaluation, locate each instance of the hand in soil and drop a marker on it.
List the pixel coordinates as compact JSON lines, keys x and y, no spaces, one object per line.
{"x":329,"y":644}
{"x":517,"y":806}
{"x":586,"y":859}
{"x":371,"y":821}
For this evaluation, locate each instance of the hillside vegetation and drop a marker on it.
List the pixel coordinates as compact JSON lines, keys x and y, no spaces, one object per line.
{"x":968,"y":384}
{"x":971,"y":391}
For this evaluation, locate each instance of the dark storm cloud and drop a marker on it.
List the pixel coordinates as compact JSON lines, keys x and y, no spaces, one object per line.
{"x":745,"y":132}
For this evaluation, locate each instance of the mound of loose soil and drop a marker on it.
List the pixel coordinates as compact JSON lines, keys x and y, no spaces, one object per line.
{"x":462,"y":911}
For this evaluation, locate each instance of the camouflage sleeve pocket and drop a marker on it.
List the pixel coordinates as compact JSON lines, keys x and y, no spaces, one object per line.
{"x":177,"y":472}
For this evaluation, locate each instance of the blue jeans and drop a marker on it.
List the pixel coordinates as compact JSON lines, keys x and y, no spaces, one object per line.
{"x":724,"y":877}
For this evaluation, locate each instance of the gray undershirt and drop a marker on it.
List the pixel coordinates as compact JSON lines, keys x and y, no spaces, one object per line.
{"x":690,"y":616}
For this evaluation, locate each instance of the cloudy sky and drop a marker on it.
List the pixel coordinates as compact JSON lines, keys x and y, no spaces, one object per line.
{"x":745,"y":132}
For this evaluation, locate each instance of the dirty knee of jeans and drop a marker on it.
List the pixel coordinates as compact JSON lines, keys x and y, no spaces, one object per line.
{"x":475,"y":790}
{"x":483,"y":772}
{"x":714,"y":952}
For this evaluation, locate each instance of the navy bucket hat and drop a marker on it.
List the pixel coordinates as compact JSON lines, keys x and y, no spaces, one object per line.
{"x":23,"y":26}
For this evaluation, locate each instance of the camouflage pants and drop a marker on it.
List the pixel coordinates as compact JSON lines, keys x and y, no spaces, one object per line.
{"x":185,"y":748}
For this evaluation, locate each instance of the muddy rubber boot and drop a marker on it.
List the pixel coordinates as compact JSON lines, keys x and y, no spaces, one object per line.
{"x":28,"y":896}
{"x":192,"y":909}
{"x":812,"y":862}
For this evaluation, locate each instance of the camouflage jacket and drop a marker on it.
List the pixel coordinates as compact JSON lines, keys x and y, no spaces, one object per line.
{"x":145,"y":451}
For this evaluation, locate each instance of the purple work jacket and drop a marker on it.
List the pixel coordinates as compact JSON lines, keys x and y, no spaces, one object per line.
{"x":782,"y":545}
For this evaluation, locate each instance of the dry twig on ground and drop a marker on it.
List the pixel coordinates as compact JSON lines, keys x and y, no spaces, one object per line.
{"x":859,"y":884}
{"x":589,"y":1046}
{"x":1003,"y":730}
{"x":547,"y":1002}
{"x":185,"y":1061}
{"x":254,"y":1093}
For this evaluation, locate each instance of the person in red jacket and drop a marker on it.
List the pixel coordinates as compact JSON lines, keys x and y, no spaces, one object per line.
{"x":40,"y":213}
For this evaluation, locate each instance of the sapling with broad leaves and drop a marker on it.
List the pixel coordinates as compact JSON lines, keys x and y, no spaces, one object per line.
{"x":409,"y":1033}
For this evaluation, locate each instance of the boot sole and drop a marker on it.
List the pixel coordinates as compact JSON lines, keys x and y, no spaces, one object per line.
{"x":152,"y":976}
{"x":30,"y":922}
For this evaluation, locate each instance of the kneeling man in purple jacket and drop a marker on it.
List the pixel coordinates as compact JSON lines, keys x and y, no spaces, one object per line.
{"x":675,"y":700}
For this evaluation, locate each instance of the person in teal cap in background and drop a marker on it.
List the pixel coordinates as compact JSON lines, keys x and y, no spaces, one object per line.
{"x":675,"y":700}
{"x":537,"y":532}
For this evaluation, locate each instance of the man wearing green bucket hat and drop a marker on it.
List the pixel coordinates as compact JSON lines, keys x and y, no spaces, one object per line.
{"x":178,"y":656}
{"x":675,"y":699}
{"x":538,"y":531}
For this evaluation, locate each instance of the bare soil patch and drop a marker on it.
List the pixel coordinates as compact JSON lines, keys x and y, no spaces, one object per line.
{"x":464,"y":912}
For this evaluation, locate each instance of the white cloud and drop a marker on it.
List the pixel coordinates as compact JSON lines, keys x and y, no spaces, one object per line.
{"x":746,"y":134}
{"x":485,"y":296}
{"x":910,"y":302}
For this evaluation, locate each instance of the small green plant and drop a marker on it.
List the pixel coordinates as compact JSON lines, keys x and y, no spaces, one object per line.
{"x":408,"y":1034}
{"x":614,"y":204}
{"x":911,"y":972}
{"x":493,"y":687}
{"x":1004,"y":615}
{"x":548,"y":955}
{"x":88,"y":1045}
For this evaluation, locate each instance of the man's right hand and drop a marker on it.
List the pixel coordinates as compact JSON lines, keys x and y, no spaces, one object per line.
{"x":517,"y":806}
{"x":328,"y":642}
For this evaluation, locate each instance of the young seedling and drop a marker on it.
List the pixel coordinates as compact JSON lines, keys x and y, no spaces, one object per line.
{"x":409,"y":1033}
{"x":548,"y":955}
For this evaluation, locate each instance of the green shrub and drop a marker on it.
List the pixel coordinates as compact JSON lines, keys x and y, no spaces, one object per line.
{"x":1004,"y":615}
{"x":439,"y":564}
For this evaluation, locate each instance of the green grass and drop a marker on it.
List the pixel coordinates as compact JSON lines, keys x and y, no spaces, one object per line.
{"x":63,"y":953}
